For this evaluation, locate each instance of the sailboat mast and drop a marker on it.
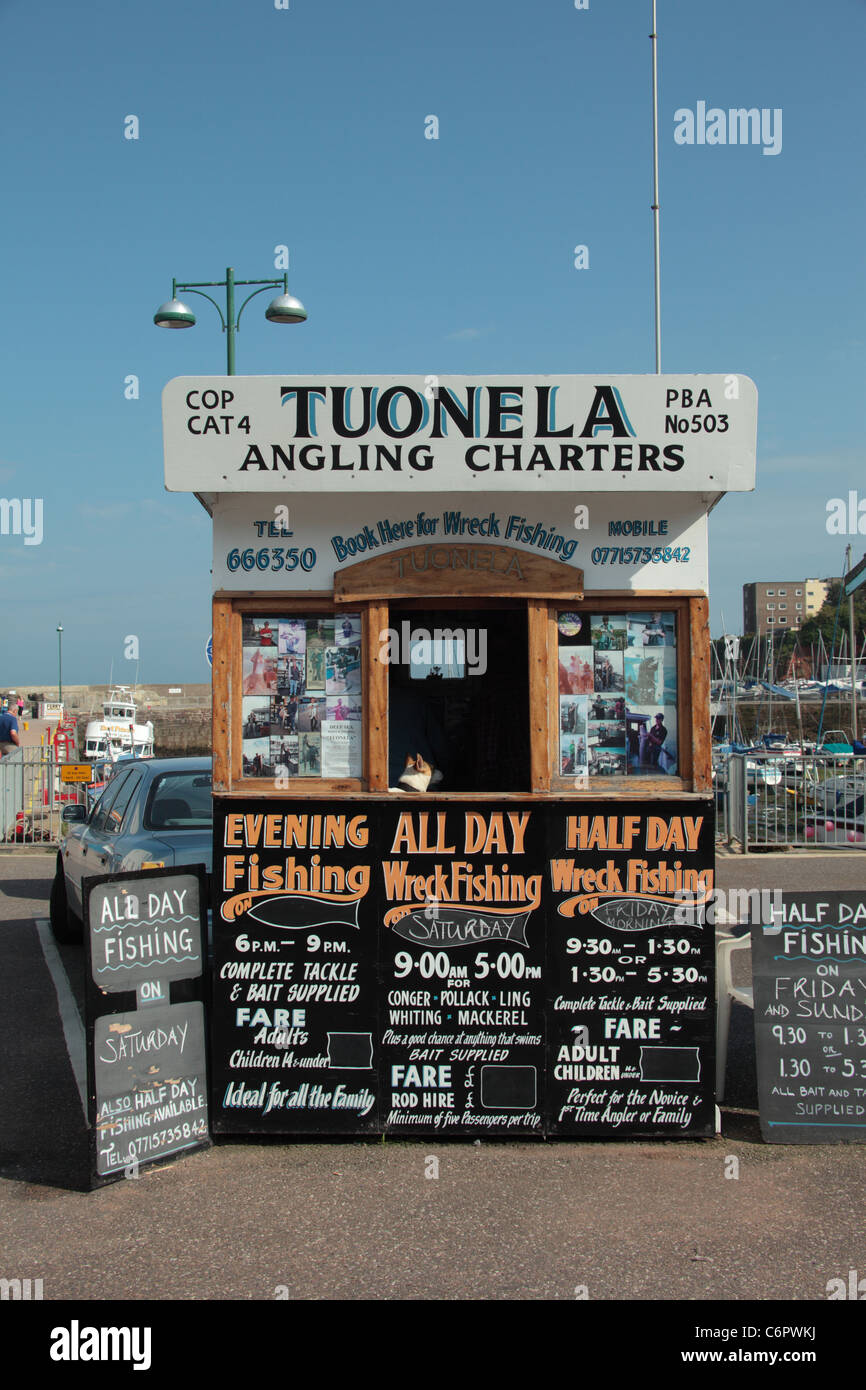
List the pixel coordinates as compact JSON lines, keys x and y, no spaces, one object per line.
{"x":853,"y":650}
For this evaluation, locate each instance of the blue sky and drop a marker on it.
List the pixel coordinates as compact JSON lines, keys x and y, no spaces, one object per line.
{"x":305,"y":127}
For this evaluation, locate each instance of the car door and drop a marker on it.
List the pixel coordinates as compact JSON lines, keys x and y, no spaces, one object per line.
{"x":117,"y":820}
{"x":89,"y":851}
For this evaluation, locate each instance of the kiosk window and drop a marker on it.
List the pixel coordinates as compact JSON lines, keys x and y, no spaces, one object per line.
{"x":302,"y":700}
{"x":617,"y":694}
{"x":458,"y":694}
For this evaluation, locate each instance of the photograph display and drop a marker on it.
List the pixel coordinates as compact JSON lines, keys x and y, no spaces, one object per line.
{"x":259,"y":670}
{"x":651,"y":675}
{"x":302,"y":706}
{"x":617,"y":694}
{"x":572,"y":735}
{"x":652,"y":740}
{"x":347,"y":630}
{"x":284,"y":754}
{"x":652,"y":630}
{"x":291,"y":676}
{"x":256,"y":715}
{"x":575,"y":669}
{"x":259,"y":632}
{"x":608,"y":632}
{"x":257,"y":757}
{"x":293,"y":637}
{"x":319,"y":636}
{"x":343,"y":669}
{"x":311,"y":715}
{"x":608,"y":670}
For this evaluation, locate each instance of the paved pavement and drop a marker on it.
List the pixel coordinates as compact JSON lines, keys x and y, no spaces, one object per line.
{"x":246,"y":1220}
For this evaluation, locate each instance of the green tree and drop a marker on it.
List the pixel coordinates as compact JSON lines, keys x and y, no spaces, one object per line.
{"x":822,"y":624}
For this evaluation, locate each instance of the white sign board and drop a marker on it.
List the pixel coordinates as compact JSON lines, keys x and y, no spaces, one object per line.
{"x":542,"y":434}
{"x":302,"y":542}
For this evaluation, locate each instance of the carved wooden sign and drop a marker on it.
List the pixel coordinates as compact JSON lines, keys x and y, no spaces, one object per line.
{"x":453,"y":568}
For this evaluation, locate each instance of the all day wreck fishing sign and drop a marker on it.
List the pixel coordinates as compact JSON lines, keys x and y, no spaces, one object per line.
{"x":391,"y":434}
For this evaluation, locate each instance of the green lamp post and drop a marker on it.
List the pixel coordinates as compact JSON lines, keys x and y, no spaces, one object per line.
{"x":284,"y":309}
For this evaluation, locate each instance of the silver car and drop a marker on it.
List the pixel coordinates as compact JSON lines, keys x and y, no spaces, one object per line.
{"x":153,"y":814}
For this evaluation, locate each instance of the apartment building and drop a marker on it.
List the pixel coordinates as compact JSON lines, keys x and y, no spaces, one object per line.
{"x":777,"y":604}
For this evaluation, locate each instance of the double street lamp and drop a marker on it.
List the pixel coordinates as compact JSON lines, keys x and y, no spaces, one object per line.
{"x":284,"y":309}
{"x":60,"y":663}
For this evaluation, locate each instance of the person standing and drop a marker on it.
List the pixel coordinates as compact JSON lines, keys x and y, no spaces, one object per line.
{"x":656,"y":736}
{"x":9,"y":739}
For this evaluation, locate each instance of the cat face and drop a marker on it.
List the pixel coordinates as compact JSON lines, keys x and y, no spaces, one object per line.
{"x":416,"y":774}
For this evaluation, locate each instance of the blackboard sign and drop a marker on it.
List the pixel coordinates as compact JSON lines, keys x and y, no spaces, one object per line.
{"x":462,"y":951}
{"x":146,"y":1055}
{"x":416,"y":968}
{"x":809,"y":974}
{"x":630,"y":1029}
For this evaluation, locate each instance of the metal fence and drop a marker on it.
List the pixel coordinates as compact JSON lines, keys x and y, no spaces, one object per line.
{"x":771,"y":800}
{"x":32,"y":797}
{"x":766,"y":800}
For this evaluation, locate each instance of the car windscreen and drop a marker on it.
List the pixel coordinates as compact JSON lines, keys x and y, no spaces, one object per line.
{"x":180,"y":801}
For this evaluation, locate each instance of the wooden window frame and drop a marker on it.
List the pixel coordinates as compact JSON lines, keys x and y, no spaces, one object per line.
{"x":693,"y":712}
{"x":228,"y":614}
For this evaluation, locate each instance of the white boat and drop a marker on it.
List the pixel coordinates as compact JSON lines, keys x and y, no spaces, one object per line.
{"x":117,"y":733}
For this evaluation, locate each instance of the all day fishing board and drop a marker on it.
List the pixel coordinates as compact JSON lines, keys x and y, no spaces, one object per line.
{"x":146,"y":1041}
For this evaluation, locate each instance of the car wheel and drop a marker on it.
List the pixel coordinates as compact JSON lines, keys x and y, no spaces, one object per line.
{"x":64,"y":924}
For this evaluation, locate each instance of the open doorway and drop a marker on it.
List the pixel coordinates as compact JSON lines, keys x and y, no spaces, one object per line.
{"x":464,"y":703}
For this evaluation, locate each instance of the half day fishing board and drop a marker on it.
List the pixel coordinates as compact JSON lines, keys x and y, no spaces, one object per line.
{"x":809,"y":970}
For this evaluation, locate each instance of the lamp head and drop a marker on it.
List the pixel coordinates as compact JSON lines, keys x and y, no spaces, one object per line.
{"x":174,"y":314}
{"x":285,"y":309}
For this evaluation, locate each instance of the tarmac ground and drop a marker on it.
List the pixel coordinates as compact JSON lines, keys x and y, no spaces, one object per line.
{"x":730,"y":1218}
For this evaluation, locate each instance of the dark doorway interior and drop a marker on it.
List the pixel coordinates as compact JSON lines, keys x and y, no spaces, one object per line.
{"x":475,"y":727}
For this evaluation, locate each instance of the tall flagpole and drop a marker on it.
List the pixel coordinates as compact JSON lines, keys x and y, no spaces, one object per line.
{"x":655,"y":202}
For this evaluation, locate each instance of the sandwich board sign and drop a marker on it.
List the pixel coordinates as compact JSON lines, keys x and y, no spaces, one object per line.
{"x":146,"y":1054}
{"x":809,"y":971}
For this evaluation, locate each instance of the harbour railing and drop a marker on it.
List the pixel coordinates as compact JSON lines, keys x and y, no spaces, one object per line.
{"x":778,"y":799}
{"x":32,"y":797}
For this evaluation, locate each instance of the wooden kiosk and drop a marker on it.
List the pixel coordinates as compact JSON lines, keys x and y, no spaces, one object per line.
{"x":507,"y":577}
